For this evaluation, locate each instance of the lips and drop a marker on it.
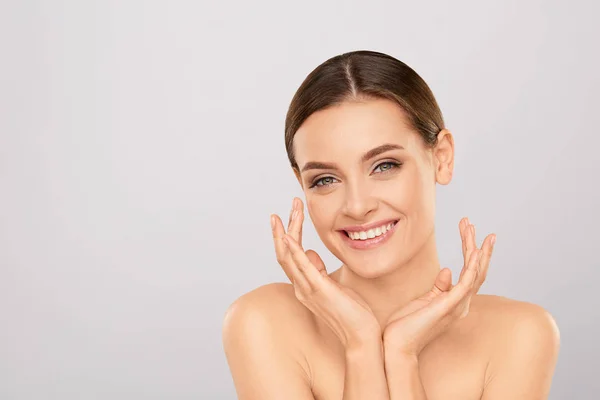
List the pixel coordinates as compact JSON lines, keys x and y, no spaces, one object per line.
{"x":360,"y":228}
{"x":372,"y":242}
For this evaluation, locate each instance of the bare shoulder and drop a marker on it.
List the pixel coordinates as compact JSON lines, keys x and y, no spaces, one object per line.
{"x":263,"y":334}
{"x":274,"y":304}
{"x":274,"y":299}
{"x":264,"y":295}
{"x":519,"y":333}
{"x":505,"y":315}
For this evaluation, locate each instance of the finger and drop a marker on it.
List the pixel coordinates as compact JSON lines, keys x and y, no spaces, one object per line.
{"x":281,"y":251}
{"x":443,"y":307}
{"x":442,"y":284}
{"x":473,"y":241}
{"x":292,"y":211}
{"x":467,"y":281}
{"x":468,"y":241}
{"x":463,"y":229}
{"x":305,"y":266}
{"x":443,"y":281}
{"x":487,"y":249}
{"x":316,"y":260}
{"x":465,"y":294}
{"x":296,"y":220}
{"x":462,"y":225}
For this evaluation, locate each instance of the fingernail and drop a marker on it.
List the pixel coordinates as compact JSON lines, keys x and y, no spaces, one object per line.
{"x":272,"y":222}
{"x":493,"y":240}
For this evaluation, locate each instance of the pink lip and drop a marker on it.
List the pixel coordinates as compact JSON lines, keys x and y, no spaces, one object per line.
{"x":359,"y":228}
{"x":369,"y":243}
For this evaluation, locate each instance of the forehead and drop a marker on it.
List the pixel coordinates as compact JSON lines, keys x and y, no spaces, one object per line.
{"x":349,"y":130}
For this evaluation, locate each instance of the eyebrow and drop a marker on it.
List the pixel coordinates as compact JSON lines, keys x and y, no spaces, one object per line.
{"x":367,"y":156}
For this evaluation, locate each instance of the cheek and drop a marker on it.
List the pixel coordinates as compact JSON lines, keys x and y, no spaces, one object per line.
{"x":407,"y":193}
{"x":317,"y":209}
{"x":423,"y":202}
{"x":321,"y":210}
{"x":414,"y":198}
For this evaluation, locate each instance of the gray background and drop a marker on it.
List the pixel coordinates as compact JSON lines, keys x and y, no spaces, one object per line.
{"x":141,"y":153}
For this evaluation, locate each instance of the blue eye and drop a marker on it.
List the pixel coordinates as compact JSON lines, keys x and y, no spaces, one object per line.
{"x":390,"y":165}
{"x":384,"y":167}
{"x":322,"y":180}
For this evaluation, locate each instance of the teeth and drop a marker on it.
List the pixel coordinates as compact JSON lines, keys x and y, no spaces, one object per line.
{"x":371,"y":233}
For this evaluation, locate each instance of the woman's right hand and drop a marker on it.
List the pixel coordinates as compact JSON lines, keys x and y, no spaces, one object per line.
{"x":342,"y":309}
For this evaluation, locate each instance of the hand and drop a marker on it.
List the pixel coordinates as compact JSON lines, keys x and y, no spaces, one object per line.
{"x":412,"y":327}
{"x":342,"y":309}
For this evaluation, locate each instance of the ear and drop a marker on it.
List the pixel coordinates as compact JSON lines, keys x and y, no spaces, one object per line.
{"x":443,"y":155}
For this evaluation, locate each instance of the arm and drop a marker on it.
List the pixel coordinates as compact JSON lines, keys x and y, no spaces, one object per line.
{"x":364,"y":377}
{"x":266,"y":364}
{"x":347,"y":315}
{"x":403,"y":378}
{"x":523,"y":366}
{"x":260,"y":358}
{"x":412,"y":327}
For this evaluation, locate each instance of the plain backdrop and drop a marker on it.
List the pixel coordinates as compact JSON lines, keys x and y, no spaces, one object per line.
{"x":142,"y":151}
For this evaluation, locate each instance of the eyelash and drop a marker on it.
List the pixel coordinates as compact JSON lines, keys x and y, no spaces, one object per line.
{"x":394,"y":164}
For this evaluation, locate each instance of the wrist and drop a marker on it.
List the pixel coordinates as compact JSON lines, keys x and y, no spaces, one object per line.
{"x":365,"y":339}
{"x":407,"y":353}
{"x":398,"y":358}
{"x":366,"y":345}
{"x":404,"y":376}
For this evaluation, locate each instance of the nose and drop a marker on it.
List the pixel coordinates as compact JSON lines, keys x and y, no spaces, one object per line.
{"x":359,"y":201}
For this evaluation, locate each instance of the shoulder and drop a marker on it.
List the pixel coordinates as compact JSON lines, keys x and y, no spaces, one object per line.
{"x":514,"y":317}
{"x":263,"y":335}
{"x":270,"y":300}
{"x":524,"y":339}
{"x":268,"y":313}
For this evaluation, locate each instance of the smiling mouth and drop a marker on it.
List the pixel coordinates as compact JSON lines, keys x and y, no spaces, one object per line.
{"x":370,"y":233}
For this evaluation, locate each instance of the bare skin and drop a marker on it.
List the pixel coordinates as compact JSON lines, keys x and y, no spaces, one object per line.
{"x":388,"y":324}
{"x":458,"y":365}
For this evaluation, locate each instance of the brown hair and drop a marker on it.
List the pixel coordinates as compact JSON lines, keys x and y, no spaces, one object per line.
{"x":359,"y":75}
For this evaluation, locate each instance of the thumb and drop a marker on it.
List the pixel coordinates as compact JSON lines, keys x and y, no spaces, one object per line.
{"x":316,"y":260}
{"x":443,"y":281}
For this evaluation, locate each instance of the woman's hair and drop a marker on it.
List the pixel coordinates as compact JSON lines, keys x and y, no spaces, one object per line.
{"x":363,"y":75}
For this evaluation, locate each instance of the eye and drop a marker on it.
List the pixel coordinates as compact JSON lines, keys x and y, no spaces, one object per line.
{"x":324,"y":181}
{"x":387,"y":166}
{"x":384,"y":167}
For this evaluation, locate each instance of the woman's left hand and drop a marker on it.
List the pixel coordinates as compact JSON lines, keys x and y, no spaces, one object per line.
{"x":412,"y":327}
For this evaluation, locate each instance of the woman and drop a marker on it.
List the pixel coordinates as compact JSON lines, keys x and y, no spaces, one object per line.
{"x":367,"y":143}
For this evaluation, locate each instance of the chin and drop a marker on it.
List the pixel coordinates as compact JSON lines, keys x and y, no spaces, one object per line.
{"x":369,"y":267}
{"x":368,"y":264}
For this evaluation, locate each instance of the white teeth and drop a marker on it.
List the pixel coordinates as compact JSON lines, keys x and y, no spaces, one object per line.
{"x":371,"y":233}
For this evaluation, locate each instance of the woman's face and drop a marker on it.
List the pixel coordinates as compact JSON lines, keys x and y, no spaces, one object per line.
{"x":362,"y":168}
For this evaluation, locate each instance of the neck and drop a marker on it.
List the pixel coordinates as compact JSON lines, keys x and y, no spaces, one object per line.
{"x":408,"y":281}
